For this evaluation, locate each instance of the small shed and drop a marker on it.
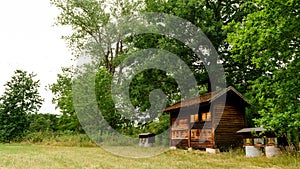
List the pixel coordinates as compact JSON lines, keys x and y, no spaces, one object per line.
{"x":210,"y":124}
{"x":146,"y":139}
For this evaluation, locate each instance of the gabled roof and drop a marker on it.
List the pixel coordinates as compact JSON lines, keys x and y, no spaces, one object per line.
{"x":206,"y":98}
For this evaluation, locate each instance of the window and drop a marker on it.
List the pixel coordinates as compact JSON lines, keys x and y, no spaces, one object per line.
{"x":206,"y":116}
{"x":194,"y":118}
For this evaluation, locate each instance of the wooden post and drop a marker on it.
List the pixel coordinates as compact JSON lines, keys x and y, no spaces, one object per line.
{"x":189,"y":130}
{"x":171,"y":130}
{"x":189,"y":138}
{"x":212,"y":113}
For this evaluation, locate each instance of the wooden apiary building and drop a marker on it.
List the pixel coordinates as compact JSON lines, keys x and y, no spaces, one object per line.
{"x":209,"y":121}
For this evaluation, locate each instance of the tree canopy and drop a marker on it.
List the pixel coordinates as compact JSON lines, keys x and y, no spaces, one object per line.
{"x":257,"y":42}
{"x":268,"y":39}
{"x":63,"y":98}
{"x":21,"y":97}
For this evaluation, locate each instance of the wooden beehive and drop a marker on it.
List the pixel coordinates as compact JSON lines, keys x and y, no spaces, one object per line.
{"x":146,"y":139}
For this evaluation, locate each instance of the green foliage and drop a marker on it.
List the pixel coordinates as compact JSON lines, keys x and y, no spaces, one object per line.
{"x":85,"y":18}
{"x":145,"y":82}
{"x":104,"y":97}
{"x":88,"y":20}
{"x":210,"y":17}
{"x":268,"y":41}
{"x":43,"y":122}
{"x":63,"y":98}
{"x":258,"y":44}
{"x":58,"y":138}
{"x":161,"y":125}
{"x":21,"y":98}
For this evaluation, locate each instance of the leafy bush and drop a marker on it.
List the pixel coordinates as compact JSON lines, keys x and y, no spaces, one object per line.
{"x":66,"y":138}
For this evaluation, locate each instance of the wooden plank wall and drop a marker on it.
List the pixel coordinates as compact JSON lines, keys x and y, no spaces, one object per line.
{"x":181,"y":134}
{"x":179,"y":131}
{"x":232,"y":120}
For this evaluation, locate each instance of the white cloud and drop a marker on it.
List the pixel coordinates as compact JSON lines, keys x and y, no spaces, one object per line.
{"x":28,"y":41}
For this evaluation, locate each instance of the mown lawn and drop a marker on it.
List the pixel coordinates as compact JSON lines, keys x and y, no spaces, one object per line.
{"x":43,"y":156}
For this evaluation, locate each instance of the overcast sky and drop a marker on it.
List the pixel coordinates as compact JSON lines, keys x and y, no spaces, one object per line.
{"x":29,"y":41}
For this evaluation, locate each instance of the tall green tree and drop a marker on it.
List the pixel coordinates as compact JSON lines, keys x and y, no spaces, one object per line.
{"x":21,"y":97}
{"x":89,"y":20}
{"x":210,"y":16}
{"x":63,"y":98}
{"x":268,"y":39}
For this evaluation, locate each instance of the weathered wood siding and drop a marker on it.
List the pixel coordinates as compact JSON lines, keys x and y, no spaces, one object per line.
{"x":204,"y":137}
{"x":179,"y":129}
{"x":179,"y":143}
{"x":219,"y":132}
{"x":232,"y":120}
{"x":186,"y":134}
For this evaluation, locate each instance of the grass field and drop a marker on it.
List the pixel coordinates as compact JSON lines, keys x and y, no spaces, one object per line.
{"x":45,"y":156}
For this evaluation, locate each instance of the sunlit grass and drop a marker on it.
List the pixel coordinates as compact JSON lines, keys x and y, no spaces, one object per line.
{"x":43,"y":156}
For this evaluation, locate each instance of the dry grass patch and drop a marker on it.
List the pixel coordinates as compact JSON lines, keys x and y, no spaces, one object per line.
{"x":43,"y":156}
